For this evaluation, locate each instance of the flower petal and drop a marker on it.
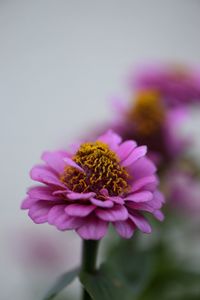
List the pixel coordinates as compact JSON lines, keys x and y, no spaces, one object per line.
{"x":75,"y":146}
{"x":159,"y":215}
{"x":44,"y":175}
{"x":93,"y":229}
{"x":101,"y":203}
{"x":79,"y":210}
{"x":28,"y":202}
{"x":77,"y":196}
{"x":142,"y":167}
{"x":117,"y":213}
{"x":134,"y":156}
{"x":116,"y":199}
{"x":144,"y":206}
{"x":158,"y":197}
{"x":111,"y":139}
{"x":140,"y":197}
{"x":140,"y":222}
{"x":125,"y":149}
{"x":39,"y":212}
{"x":144,"y":182}
{"x":42,"y":193}
{"x":125,"y":228}
{"x":151,"y":206}
{"x":55,"y":160}
{"x":66,"y":222}
{"x":55,"y":212}
{"x":72,"y":163}
{"x":104,"y":192}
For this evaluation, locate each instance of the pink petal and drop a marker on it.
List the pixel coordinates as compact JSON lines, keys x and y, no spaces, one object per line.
{"x":159,"y":215}
{"x":39,"y":212}
{"x":111,"y":139}
{"x":75,"y":146}
{"x":93,"y":229}
{"x":140,"y":197}
{"x":104,"y":192}
{"x":72,"y":163}
{"x":78,"y":210}
{"x":142,"y":167}
{"x":42,"y":193}
{"x":60,"y":192}
{"x":55,"y":212}
{"x":140,"y":222}
{"x":101,"y":203}
{"x":159,"y":197}
{"x":144,"y":182}
{"x":125,"y":149}
{"x":28,"y":202}
{"x":66,"y":222}
{"x":117,"y":213}
{"x":44,"y":175}
{"x":55,"y":160}
{"x":135,"y":155}
{"x":77,"y":196}
{"x":149,"y":206}
{"x":116,"y":199}
{"x":125,"y":228}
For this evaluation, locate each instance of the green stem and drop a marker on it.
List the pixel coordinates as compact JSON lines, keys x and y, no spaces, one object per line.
{"x":89,"y":258}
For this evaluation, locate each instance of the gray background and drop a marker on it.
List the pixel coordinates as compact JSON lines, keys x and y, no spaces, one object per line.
{"x":60,"y":62}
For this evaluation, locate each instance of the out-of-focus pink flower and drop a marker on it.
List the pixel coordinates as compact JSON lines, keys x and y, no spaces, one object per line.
{"x":148,"y":121}
{"x":183,"y":191}
{"x":100,"y":182}
{"x":42,"y":250}
{"x":177,"y":84}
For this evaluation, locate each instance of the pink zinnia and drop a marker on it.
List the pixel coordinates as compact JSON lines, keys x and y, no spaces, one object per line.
{"x":148,"y":121}
{"x":177,"y":84}
{"x":183,"y":191}
{"x":100,"y":182}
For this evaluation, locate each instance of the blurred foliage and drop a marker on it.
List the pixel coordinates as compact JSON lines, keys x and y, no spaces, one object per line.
{"x":63,"y":281}
{"x":137,"y":271}
{"x":106,"y":284}
{"x":153,"y":273}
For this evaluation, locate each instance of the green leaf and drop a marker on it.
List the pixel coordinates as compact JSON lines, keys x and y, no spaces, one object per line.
{"x":103,"y":285}
{"x":171,"y":281}
{"x":61,"y":283}
{"x":174,"y":285}
{"x":138,"y":265}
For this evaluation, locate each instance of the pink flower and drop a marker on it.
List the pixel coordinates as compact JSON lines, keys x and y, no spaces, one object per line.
{"x":100,"y":182}
{"x":42,"y":250}
{"x":148,"y":121}
{"x":183,"y":189}
{"x":177,"y":84}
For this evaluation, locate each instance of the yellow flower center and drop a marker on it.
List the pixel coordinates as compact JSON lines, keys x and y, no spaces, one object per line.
{"x":101,"y":167}
{"x":147,"y":113}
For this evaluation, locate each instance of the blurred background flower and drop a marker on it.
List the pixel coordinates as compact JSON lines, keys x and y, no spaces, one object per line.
{"x":178,"y":84}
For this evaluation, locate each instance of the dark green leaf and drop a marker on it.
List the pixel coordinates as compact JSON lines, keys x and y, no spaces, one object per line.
{"x":61,"y":283}
{"x":105,"y":286}
{"x":135,"y":267}
{"x":174,"y":284}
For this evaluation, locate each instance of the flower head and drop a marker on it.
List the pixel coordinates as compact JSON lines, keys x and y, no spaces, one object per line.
{"x":177,"y":84}
{"x":100,"y":182}
{"x":183,"y":190}
{"x":150,"y":122}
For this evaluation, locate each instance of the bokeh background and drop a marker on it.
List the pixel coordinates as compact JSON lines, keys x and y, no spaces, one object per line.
{"x":60,"y":64}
